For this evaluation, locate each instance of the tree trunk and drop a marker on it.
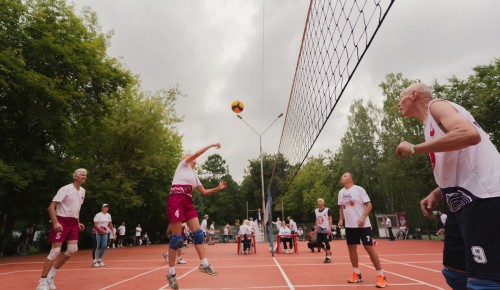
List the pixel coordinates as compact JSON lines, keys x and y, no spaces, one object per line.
{"x":7,"y":232}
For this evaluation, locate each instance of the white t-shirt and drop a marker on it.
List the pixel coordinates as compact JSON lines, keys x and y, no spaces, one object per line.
{"x":293,"y":226}
{"x":278,"y":224}
{"x":467,"y":174}
{"x":285,"y":231}
{"x":184,"y":174}
{"x":121,"y":230}
{"x":102,"y":221}
{"x":245,"y":230}
{"x":204,"y":225}
{"x":212,"y":229}
{"x":353,"y":201}
{"x":70,"y":201}
{"x":388,"y":223}
{"x":443,"y":218}
{"x":138,"y":231}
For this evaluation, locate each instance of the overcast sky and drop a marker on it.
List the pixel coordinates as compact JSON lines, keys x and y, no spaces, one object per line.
{"x":218,"y":51}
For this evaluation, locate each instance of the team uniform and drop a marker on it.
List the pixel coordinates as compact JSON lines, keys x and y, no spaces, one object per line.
{"x":323,"y":223}
{"x":352,"y":201}
{"x":70,"y":201}
{"x":180,"y":201}
{"x":469,"y":180}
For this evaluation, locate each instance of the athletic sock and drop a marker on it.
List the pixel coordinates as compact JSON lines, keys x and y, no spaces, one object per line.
{"x":204,"y":262}
{"x":52,"y":272}
{"x":380,"y":272}
{"x":171,"y":271}
{"x":357,"y":270}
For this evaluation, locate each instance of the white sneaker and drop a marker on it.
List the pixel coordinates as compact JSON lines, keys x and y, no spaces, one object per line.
{"x":181,"y":261}
{"x":42,"y":286}
{"x":101,"y":263}
{"x":50,"y":282}
{"x":96,"y":265}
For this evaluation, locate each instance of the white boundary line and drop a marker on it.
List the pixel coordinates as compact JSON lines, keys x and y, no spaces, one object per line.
{"x":187,"y":273}
{"x":406,"y":277}
{"x":410,"y":265}
{"x":136,"y":276}
{"x":290,"y":285}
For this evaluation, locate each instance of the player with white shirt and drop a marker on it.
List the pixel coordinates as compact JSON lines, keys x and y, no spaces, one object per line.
{"x":102,"y":227}
{"x":355,"y":206}
{"x":323,"y":228}
{"x":64,"y":212}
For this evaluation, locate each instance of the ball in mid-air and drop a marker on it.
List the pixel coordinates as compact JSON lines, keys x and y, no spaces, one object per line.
{"x":237,"y":106}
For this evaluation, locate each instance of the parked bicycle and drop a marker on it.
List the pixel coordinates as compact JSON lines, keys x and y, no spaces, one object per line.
{"x":24,"y":247}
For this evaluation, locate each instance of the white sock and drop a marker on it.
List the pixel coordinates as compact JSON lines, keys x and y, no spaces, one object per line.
{"x":357,"y":270}
{"x":380,"y":272}
{"x":52,"y":272}
{"x":204,"y":262}
{"x":171,"y":271}
{"x":43,"y":280}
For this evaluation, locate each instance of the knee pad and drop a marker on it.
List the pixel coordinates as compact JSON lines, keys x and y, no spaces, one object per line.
{"x":198,"y":237}
{"x":175,"y":242}
{"x":456,"y":280}
{"x":54,"y":252}
{"x":71,"y":250}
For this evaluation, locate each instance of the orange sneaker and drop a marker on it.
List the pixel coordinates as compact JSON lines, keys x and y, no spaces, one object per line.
{"x":355,"y":278}
{"x":381,"y":281}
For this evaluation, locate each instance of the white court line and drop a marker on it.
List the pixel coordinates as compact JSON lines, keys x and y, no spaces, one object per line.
{"x":284,"y":275}
{"x":410,"y":265}
{"x":187,"y":273}
{"x":403,"y":276}
{"x":136,"y":276}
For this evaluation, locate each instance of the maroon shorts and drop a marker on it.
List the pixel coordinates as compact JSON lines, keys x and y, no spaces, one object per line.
{"x":180,"y":208}
{"x":69,"y":232}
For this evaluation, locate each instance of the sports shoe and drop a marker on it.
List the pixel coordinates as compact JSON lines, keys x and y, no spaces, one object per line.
{"x":381,"y":281}
{"x":96,"y":265}
{"x":208,"y":269}
{"x":356,"y":278}
{"x":42,"y":286}
{"x":181,"y":261}
{"x":101,"y":264}
{"x":172,"y":281}
{"x":50,"y":282}
{"x":327,"y":260}
{"x":165,"y":255}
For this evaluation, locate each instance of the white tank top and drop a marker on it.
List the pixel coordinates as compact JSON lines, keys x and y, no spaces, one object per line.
{"x":468,"y":174}
{"x":322,"y":219}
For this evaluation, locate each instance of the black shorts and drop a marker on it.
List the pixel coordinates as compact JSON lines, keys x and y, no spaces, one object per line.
{"x":354,"y":235}
{"x":472,"y":236}
{"x":323,"y":238}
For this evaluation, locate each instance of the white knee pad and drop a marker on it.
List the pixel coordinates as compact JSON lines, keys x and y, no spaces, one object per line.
{"x":54,"y":252}
{"x":71,"y":250}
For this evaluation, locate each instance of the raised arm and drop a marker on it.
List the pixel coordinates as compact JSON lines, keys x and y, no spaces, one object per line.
{"x":203,"y":191}
{"x":195,"y":155}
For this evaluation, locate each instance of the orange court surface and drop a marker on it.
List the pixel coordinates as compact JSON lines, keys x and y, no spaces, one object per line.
{"x":408,"y":264}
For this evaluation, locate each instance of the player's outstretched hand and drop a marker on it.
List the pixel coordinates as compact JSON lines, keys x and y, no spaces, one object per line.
{"x":222,"y":184}
{"x":216,"y":145}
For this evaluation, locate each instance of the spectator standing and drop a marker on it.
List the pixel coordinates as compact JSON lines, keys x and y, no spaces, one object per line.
{"x":112,"y":237}
{"x":292,"y":225}
{"x":204,"y":227}
{"x":138,"y":235}
{"x":388,"y":224}
{"x":466,"y":167}
{"x":121,"y":235}
{"x":64,"y":212}
{"x":277,"y":223}
{"x":211,"y":233}
{"x":102,"y":227}
{"x":355,"y":206}
{"x":259,"y":218}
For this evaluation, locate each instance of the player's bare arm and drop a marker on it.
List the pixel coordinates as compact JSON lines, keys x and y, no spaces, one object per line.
{"x":203,"y":191}
{"x":197,"y":154}
{"x":52,"y":214}
{"x":459,"y":132}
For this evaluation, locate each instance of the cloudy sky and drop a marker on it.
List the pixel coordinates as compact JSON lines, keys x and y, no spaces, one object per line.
{"x":217,"y":51}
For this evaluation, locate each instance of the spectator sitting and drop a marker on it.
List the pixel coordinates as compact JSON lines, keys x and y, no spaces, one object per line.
{"x":286,"y":231}
{"x":300,"y":233}
{"x":246,"y":233}
{"x":145,"y":239}
{"x":312,"y":239}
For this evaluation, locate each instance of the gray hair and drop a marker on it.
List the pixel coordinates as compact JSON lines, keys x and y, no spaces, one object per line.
{"x":423,"y":90}
{"x":80,"y":170}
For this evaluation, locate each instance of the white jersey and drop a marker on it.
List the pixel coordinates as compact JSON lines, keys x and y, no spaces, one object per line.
{"x":121,"y":230}
{"x":70,"y":201}
{"x":353,"y":201}
{"x":468,"y":174}
{"x":322,"y":219}
{"x":204,"y":225}
{"x":184,"y":174}
{"x":103,"y":221}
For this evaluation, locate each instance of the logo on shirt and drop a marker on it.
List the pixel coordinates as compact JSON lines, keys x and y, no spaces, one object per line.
{"x":432,"y":132}
{"x":320,"y":220}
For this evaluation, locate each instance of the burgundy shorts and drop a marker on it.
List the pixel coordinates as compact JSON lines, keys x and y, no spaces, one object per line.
{"x":69,"y":233}
{"x":180,"y":208}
